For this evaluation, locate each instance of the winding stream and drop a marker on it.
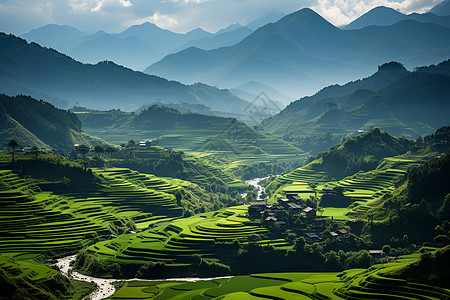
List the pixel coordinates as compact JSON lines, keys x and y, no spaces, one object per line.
{"x":105,"y":287}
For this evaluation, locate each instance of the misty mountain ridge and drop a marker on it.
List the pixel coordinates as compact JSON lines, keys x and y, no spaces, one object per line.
{"x":409,"y":104}
{"x":36,"y":70}
{"x":303,"y":52}
{"x":385,"y":16}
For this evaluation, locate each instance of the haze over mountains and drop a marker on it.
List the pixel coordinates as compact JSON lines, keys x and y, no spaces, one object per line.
{"x":290,"y":56}
{"x":385,"y":16}
{"x":303,"y":52}
{"x":409,"y":104}
{"x":47,"y":74}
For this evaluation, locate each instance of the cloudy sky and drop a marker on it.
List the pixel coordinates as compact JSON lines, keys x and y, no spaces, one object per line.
{"x":20,"y":16}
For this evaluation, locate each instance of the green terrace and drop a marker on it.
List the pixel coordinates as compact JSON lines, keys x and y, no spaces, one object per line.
{"x":28,"y":223}
{"x":177,"y":241}
{"x":372,"y":283}
{"x":36,"y":221}
{"x":362,"y":188}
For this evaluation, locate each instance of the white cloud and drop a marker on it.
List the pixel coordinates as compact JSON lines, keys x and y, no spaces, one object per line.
{"x":161,"y":20}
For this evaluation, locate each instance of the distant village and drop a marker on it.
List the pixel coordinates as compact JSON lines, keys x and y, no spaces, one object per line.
{"x":280,"y":215}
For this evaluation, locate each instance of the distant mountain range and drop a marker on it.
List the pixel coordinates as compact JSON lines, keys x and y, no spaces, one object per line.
{"x":302,"y":52}
{"x":45,"y":73}
{"x":409,"y":104}
{"x":136,"y":47}
{"x":385,"y":16}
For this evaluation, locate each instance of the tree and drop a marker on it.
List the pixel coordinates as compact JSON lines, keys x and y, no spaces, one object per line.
{"x":35,"y":151}
{"x":83,"y":150}
{"x":110,"y":150}
{"x":98,"y":150}
{"x":13,"y":145}
{"x":131,"y":144}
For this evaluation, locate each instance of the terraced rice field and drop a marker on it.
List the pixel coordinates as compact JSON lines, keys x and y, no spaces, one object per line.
{"x":182,"y":238}
{"x":32,"y":221}
{"x":370,"y":283}
{"x":28,"y":223}
{"x":362,"y":187}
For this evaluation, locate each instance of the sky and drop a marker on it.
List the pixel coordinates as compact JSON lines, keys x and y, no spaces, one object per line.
{"x":113,"y":16}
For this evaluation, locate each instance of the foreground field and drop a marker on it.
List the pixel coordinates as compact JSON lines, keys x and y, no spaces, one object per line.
{"x":373,"y":283}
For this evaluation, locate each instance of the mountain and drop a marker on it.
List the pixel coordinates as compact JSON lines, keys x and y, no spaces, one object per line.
{"x":135,"y":47}
{"x":276,"y":55}
{"x":222,"y":38}
{"x":406,"y":103}
{"x":270,"y":17}
{"x":301,"y":52}
{"x":128,"y":51}
{"x":37,"y":123}
{"x":104,"y":85}
{"x":229,"y":28}
{"x":53,"y":36}
{"x":385,"y":16}
{"x":442,"y":9}
{"x":251,"y":89}
{"x":380,"y":16}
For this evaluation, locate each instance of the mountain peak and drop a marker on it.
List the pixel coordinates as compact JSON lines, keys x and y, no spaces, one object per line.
{"x":391,"y":66}
{"x":380,"y":16}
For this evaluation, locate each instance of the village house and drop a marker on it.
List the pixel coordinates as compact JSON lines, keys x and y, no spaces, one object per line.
{"x":311,"y":238}
{"x":310,"y":213}
{"x":256,"y":208}
{"x":294,"y":198}
{"x":376,"y":255}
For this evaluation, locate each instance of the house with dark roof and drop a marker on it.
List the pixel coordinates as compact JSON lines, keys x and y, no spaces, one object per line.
{"x":310,"y":212}
{"x":255,"y":209}
{"x":311,"y":238}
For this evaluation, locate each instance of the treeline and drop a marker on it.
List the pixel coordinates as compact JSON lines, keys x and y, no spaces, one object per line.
{"x":263,"y":169}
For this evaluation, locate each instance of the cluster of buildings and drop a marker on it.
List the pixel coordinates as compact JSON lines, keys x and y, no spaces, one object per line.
{"x":282,"y":213}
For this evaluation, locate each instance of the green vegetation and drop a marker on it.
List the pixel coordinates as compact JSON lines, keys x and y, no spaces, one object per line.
{"x":380,"y":281}
{"x":38,"y":123}
{"x":21,"y":278}
{"x":231,"y":140}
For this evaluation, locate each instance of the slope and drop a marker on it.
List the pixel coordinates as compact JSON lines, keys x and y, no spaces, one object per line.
{"x":105,"y":84}
{"x":392,"y":99}
{"x":38,"y":123}
{"x":201,"y":135}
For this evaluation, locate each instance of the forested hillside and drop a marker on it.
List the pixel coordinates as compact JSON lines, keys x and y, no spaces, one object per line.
{"x":38,"y":123}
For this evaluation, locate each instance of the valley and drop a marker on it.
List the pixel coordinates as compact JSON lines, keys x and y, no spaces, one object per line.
{"x":292,"y":158}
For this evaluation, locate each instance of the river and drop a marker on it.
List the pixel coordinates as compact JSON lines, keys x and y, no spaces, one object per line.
{"x":105,"y":287}
{"x":255,"y":183}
